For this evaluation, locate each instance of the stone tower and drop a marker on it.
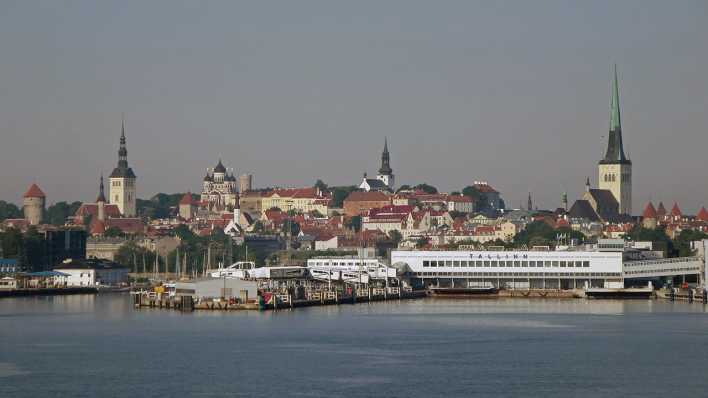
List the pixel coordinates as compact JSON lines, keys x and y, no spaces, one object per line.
{"x":33,"y":202}
{"x":122,"y":180}
{"x":615,"y":169}
{"x":385,"y":172}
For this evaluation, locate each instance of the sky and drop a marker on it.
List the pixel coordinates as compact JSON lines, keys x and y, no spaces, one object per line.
{"x":515,"y":93}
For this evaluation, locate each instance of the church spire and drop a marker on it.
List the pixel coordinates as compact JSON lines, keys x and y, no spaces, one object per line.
{"x":122,"y":169}
{"x":101,"y":192}
{"x":615,"y":148}
{"x":385,"y":160}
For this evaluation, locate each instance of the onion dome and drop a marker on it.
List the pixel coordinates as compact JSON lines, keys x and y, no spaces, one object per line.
{"x":220,"y":168}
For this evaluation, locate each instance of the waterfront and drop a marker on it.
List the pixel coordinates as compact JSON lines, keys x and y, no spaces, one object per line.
{"x":430,"y":347}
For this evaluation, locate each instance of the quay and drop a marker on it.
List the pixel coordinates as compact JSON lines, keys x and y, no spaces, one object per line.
{"x":273,"y":300}
{"x":47,"y":291}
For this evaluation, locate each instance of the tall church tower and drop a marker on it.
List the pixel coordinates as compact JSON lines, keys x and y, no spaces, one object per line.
{"x":615,"y":169}
{"x":122,"y":180}
{"x":385,"y":172}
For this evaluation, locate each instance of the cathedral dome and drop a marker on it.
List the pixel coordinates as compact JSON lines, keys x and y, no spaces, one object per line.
{"x":220,"y":168}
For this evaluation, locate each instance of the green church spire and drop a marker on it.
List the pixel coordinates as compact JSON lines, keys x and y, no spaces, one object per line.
{"x":615,"y":148}
{"x":615,"y":124}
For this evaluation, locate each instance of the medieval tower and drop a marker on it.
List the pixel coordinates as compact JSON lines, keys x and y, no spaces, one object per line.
{"x":122,"y":181}
{"x":33,"y":202}
{"x":615,"y":169}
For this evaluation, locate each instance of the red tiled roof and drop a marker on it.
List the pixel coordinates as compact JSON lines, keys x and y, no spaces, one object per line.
{"x":34,"y":192}
{"x":370,"y":196}
{"x":649,"y":211}
{"x":91,"y":209}
{"x":661,"y":210}
{"x":98,"y":227}
{"x":675,"y":211}
{"x":702,"y":214}
{"x":459,"y":198}
{"x":187,"y":199}
{"x":127,"y":225}
{"x":485,"y":188}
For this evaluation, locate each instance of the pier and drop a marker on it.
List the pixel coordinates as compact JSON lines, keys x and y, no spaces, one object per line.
{"x":48,"y":291}
{"x":275,"y":300}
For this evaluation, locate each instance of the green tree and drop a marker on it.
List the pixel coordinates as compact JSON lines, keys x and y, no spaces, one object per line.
{"x":113,"y":232}
{"x":353,"y":223}
{"x":395,"y":236}
{"x":58,"y":213}
{"x":12,"y":243}
{"x":321,"y":185}
{"x":426,"y":188}
{"x":341,"y":193}
{"x":9,"y":210}
{"x":472,"y":192}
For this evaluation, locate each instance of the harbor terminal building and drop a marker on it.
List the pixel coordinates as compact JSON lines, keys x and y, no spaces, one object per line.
{"x":511,"y":269}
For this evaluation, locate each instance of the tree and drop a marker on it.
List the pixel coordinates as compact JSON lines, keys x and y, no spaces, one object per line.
{"x":429,"y":189}
{"x":682,"y":243}
{"x":341,"y":193}
{"x":321,"y":185}
{"x":113,"y":232}
{"x":9,"y":210}
{"x":57,"y":213}
{"x":12,"y":243}
{"x":422,"y":242}
{"x":395,"y":236}
{"x":472,"y":192}
{"x":33,"y":250}
{"x":404,"y":188}
{"x":353,"y":223}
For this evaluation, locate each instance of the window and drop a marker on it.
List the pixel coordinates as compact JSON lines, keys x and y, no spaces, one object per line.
{"x":494,"y":263}
{"x":479,"y":263}
{"x":586,"y":264}
{"x":486,"y":263}
{"x":517,"y":264}
{"x":555,"y":263}
{"x":532,"y":263}
{"x":524,"y":263}
{"x":562,"y":264}
{"x":456,"y":263}
{"x":426,"y":264}
{"x":448,"y":263}
{"x":578,"y":264}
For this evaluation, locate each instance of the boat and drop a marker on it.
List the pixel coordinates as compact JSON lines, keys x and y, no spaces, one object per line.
{"x":239,"y":269}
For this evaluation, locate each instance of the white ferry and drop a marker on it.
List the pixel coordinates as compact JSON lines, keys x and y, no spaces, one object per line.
{"x":349,"y":269}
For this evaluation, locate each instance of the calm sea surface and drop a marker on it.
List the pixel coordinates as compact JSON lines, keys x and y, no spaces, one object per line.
{"x":99,"y":346}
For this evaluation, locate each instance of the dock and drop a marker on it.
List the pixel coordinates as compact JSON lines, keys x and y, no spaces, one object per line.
{"x":274,"y":300}
{"x":48,"y":291}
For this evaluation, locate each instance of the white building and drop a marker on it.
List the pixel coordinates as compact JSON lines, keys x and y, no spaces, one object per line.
{"x":93,"y":273}
{"x":512,"y":269}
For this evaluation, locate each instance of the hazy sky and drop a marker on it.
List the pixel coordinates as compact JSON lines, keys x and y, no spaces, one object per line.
{"x":515,"y":93}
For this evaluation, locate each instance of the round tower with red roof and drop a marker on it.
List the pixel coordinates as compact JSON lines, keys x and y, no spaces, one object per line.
{"x":33,"y":202}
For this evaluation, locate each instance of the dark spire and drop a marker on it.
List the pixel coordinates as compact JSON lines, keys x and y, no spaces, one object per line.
{"x":587,"y":184}
{"x":615,"y":148}
{"x":529,"y":203}
{"x":101,"y":194}
{"x":385,"y":160}
{"x":122,"y":170}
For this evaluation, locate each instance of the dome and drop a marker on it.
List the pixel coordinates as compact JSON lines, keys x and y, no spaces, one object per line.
{"x":220,"y":168}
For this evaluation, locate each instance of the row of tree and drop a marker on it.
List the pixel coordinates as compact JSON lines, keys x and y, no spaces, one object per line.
{"x":56,"y":214}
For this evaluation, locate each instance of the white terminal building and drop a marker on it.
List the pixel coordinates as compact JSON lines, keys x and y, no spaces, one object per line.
{"x":608,"y":264}
{"x":511,"y":269}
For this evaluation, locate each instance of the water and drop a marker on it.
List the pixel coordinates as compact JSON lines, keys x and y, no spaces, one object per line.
{"x":99,"y":346}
